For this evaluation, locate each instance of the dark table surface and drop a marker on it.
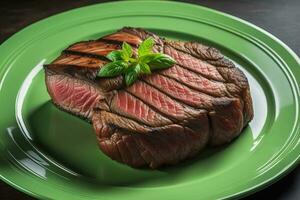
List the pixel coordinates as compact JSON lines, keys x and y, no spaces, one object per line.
{"x":279,"y":17}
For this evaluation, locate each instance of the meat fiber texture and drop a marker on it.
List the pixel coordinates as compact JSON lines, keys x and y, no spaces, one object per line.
{"x":163,"y":118}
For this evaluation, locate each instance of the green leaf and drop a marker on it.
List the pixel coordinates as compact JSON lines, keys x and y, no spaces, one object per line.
{"x":161,"y":61}
{"x":132,"y":74}
{"x":148,"y":58}
{"x":113,"y":69}
{"x":131,"y":67}
{"x":126,"y":51}
{"x":146,"y":47}
{"x":145,"y":68}
{"x":114,"y":55}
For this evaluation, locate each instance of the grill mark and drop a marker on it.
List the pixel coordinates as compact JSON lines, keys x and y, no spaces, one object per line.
{"x":85,"y":54}
{"x":115,"y":42}
{"x":174,"y":120}
{"x":91,"y":64}
{"x":152,"y":128}
{"x":132,"y":119}
{"x":93,"y":46}
{"x":189,"y":86}
{"x":97,"y":56}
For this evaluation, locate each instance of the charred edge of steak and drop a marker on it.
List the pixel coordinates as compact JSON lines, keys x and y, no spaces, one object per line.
{"x":67,"y":51}
{"x":161,"y":145}
{"x":144,"y":34}
{"x":73,"y":70}
{"x":121,"y":36}
{"x":119,"y":43}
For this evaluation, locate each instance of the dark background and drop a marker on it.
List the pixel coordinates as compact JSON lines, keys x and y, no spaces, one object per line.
{"x":279,"y":17}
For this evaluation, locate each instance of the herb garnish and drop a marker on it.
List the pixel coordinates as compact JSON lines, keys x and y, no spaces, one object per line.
{"x":124,"y":63}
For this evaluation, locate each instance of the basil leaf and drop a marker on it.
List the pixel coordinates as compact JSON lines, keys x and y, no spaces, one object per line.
{"x":146,"y":47}
{"x":161,"y":61}
{"x":149,"y":57}
{"x":131,"y":74}
{"x":145,"y":68}
{"x":113,"y":69}
{"x":123,"y":62}
{"x":114,"y":55}
{"x":126,"y":51}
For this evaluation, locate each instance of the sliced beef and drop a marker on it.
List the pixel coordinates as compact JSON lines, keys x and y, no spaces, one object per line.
{"x":72,"y":94}
{"x":78,"y":60}
{"x":144,"y":145}
{"x":196,"y":81}
{"x":193,"y":64}
{"x":128,"y":105}
{"x":162,"y":118}
{"x":92,"y":48}
{"x":179,"y":91}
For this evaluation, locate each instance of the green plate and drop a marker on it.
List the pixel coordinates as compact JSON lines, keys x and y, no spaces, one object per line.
{"x":50,"y":154}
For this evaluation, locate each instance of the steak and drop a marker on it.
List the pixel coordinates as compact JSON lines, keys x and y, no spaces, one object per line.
{"x":163,"y":118}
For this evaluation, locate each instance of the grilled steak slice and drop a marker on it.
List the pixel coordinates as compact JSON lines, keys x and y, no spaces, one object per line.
{"x":135,"y":144}
{"x":73,"y":94}
{"x":162,"y":118}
